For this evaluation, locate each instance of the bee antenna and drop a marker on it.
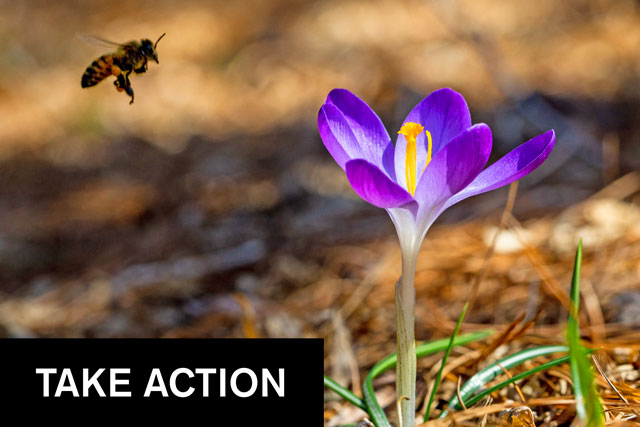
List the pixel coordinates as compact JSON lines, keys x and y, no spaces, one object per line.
{"x":159,"y":38}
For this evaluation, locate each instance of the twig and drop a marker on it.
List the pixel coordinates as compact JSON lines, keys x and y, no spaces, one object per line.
{"x":497,"y":407}
{"x":613,"y":387}
{"x":593,"y":309}
{"x":507,"y":373}
{"x":508,"y":207}
{"x":343,"y":346}
{"x":399,"y":408}
{"x":486,"y":416}
{"x":460,"y":399}
{"x":548,"y":280}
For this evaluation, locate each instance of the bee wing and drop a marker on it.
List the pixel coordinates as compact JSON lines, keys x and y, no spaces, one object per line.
{"x":97,"y":41}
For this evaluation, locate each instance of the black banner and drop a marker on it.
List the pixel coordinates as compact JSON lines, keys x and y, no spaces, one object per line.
{"x":234,"y":382}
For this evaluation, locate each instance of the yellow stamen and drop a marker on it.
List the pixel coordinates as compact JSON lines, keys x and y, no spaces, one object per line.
{"x":410,"y":131}
{"x":429,"y":149}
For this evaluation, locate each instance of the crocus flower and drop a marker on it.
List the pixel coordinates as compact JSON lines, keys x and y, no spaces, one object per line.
{"x":437,"y":161}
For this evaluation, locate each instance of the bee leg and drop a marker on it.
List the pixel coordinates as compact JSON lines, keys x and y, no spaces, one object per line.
{"x":128,"y":87}
{"x":129,"y":91}
{"x":140,"y":70}
{"x":123,"y":84}
{"x":120,"y":83}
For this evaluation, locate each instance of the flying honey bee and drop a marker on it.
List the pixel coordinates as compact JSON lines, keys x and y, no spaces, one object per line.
{"x":131,"y":57}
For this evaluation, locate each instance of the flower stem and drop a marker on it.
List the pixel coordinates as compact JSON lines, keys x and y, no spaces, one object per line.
{"x":405,"y":321}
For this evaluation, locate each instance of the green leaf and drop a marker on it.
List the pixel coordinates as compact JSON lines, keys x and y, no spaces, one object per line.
{"x":344,"y":393}
{"x":436,"y":384}
{"x":487,"y":374}
{"x":478,"y":397}
{"x":588,"y":404}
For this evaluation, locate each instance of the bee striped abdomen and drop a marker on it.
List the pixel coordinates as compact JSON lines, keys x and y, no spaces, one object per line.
{"x":99,"y":69}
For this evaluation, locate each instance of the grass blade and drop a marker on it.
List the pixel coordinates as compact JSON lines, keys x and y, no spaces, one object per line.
{"x":478,"y":397}
{"x":588,"y":403}
{"x":490,"y":372}
{"x":344,"y":393}
{"x":444,"y":362}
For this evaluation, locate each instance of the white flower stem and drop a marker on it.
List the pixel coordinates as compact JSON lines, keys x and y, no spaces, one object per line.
{"x":405,"y":322}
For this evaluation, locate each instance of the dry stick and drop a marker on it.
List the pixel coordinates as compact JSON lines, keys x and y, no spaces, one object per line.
{"x":562,"y":375}
{"x":249,"y":315}
{"x":451,"y":366}
{"x":497,"y":407}
{"x":344,"y":346}
{"x":528,"y":324}
{"x":551,"y":285}
{"x":500,"y":338}
{"x":612,"y":329}
{"x":593,"y":309}
{"x":508,"y":207}
{"x":607,"y":411}
{"x":399,"y":408}
{"x":618,"y":189}
{"x":508,"y":374}
{"x":347,"y":309}
{"x":621,"y":188}
{"x":610,"y":157}
{"x":614,"y":388}
{"x":438,"y":318}
{"x":486,"y":416}
{"x":363,"y":290}
{"x":604,"y":266}
{"x":515,"y":412}
{"x":357,"y":297}
{"x":506,"y":213}
{"x":460,"y":399}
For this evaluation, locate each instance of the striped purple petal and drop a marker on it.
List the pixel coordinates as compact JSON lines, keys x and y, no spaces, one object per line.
{"x":445,"y":114}
{"x":350,"y":129}
{"x":521,"y":161}
{"x":454,"y":167}
{"x":374,"y":186}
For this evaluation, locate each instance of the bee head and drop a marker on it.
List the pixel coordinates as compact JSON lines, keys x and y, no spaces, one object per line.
{"x":147,"y":48}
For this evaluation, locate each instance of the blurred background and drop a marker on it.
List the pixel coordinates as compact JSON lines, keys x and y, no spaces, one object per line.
{"x":210,"y":207}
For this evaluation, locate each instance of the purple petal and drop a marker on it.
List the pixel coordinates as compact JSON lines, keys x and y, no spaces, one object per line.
{"x":454,"y":167}
{"x":445,"y":114}
{"x":337,"y":136}
{"x":519,"y":162}
{"x":374,"y":186}
{"x":352,"y":130}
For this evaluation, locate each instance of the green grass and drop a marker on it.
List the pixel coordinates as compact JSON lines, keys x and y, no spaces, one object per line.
{"x":436,"y":384}
{"x":482,"y":377}
{"x":344,"y":393}
{"x":588,"y":404}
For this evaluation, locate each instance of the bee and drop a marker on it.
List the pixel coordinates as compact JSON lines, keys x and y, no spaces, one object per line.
{"x":131,"y":57}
